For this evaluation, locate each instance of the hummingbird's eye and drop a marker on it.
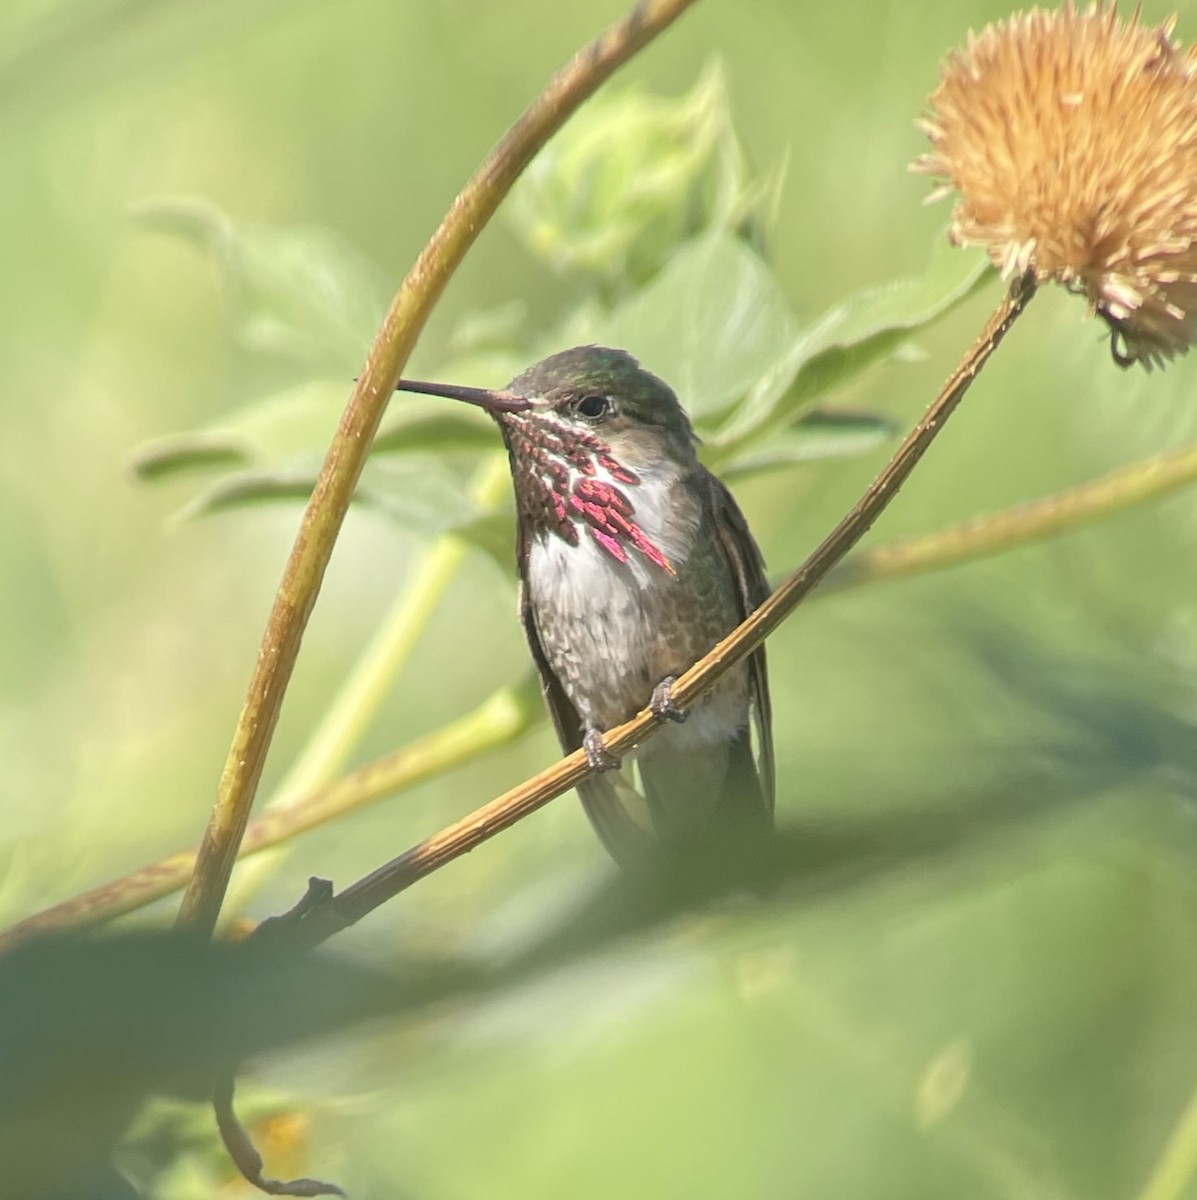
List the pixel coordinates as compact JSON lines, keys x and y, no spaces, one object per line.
{"x":592,"y":407}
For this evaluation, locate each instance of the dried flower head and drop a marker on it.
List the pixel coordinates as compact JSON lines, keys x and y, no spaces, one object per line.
{"x":1071,"y":138}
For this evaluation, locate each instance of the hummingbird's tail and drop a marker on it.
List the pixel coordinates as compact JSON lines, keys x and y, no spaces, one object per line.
{"x":619,"y":815}
{"x":684,"y":794}
{"x":694,"y":788}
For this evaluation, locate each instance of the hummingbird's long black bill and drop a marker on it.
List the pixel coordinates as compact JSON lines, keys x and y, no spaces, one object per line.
{"x":492,"y":401}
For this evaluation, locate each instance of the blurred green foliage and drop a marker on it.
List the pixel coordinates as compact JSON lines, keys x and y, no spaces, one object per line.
{"x":632,"y":176}
{"x":978,"y":977}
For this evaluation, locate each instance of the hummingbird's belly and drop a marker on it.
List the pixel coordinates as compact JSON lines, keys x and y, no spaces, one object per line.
{"x":612,"y":631}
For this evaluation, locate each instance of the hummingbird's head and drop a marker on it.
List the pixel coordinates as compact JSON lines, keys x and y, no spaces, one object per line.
{"x":596,"y":395}
{"x":585,"y":428}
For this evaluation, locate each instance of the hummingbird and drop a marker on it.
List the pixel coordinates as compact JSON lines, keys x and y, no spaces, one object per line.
{"x":633,"y":561}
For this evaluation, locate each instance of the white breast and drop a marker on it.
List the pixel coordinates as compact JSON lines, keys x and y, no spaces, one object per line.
{"x":602,"y":622}
{"x":587,"y":577}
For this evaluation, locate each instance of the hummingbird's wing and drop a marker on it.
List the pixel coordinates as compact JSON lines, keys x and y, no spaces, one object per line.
{"x":719,"y":784}
{"x":609,"y":799}
{"x":748,"y":568}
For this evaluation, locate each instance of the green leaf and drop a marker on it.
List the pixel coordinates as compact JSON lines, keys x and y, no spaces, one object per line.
{"x":241,"y":489}
{"x":419,"y":493}
{"x":822,"y":434}
{"x":708,"y":324}
{"x":274,"y":449}
{"x":268,"y":433}
{"x":303,"y":294}
{"x":631,"y":178}
{"x":181,"y":452}
{"x":164,"y":1012}
{"x":439,"y":426}
{"x":494,"y":534}
{"x":853,"y":335}
{"x":301,"y":420}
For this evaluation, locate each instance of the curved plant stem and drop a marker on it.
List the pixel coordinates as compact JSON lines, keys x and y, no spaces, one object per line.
{"x":320,"y":920}
{"x":325,"y":512}
{"x":993,"y":533}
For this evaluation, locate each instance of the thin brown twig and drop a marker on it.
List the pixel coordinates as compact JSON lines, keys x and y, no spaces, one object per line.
{"x":329,"y":502}
{"x":319,"y":921}
{"x":245,"y":1154}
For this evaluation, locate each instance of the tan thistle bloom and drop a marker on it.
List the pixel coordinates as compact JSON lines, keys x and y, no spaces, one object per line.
{"x":1071,"y":138}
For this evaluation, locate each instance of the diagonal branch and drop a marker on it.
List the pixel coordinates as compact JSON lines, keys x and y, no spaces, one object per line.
{"x":320,"y":920}
{"x":326,"y":509}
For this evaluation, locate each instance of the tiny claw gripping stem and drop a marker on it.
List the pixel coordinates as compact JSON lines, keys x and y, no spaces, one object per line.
{"x":597,"y":755}
{"x":662,"y":704}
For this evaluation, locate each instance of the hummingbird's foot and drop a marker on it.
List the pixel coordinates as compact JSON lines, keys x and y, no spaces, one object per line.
{"x":597,"y":755}
{"x":662,"y":704}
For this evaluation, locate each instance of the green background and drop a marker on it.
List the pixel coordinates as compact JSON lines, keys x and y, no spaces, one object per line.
{"x":984,"y":986}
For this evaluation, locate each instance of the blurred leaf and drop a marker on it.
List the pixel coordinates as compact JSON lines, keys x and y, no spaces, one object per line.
{"x":821,"y":434}
{"x":730,"y":1034}
{"x":494,"y":534}
{"x":302,"y":294}
{"x":276,"y":445}
{"x":299,"y":423}
{"x":415,"y":424}
{"x":632,"y":177}
{"x":183,"y":452}
{"x":708,"y":324}
{"x":90,"y":1027}
{"x":851,"y":336}
{"x":419,"y":493}
{"x":268,"y":432}
{"x":243,"y":488}
{"x":485,"y":329}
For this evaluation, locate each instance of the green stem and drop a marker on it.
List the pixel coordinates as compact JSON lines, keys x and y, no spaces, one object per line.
{"x":1177,"y":1164}
{"x":993,"y":533}
{"x":373,"y":676}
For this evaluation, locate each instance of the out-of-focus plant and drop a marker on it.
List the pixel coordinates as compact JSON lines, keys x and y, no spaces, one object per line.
{"x":705,"y":311}
{"x":648,"y":207}
{"x":612,"y":196}
{"x":700,"y":306}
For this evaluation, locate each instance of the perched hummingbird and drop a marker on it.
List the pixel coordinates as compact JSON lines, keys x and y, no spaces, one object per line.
{"x":634,"y":560}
